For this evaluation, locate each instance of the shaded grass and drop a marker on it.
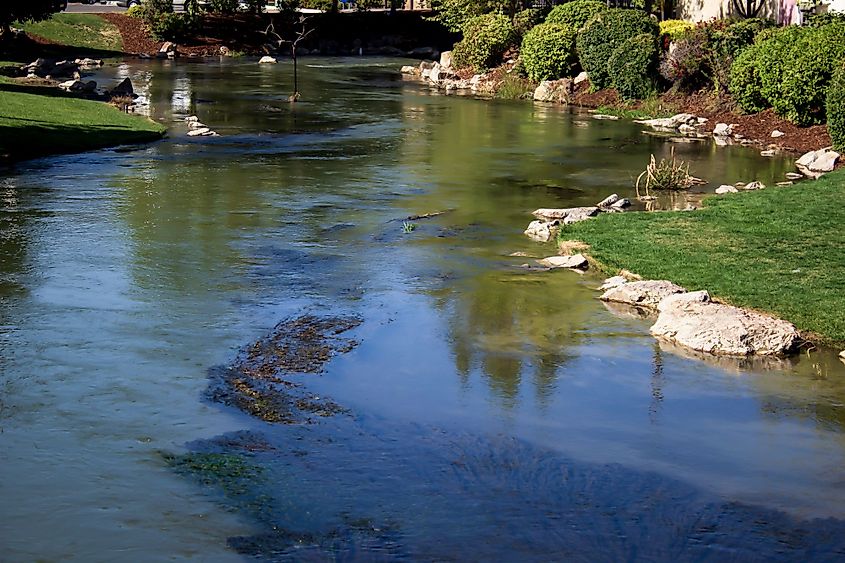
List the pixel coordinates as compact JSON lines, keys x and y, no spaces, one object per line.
{"x":87,"y":31}
{"x":649,"y":108}
{"x":36,"y":121}
{"x":778,"y":250}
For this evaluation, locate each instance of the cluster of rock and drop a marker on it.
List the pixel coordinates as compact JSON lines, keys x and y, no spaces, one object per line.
{"x":198,"y":129}
{"x":549,"y":220}
{"x":52,"y":70}
{"x":812,"y":164}
{"x":443,"y":76}
{"x":694,"y":320}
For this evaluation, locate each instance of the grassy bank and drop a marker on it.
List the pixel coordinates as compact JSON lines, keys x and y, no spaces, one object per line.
{"x":37,"y":121}
{"x":777,"y":250}
{"x":87,"y":31}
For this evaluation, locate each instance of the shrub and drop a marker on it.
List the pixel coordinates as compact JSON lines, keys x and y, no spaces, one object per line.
{"x":675,"y":28}
{"x":223,"y":6}
{"x":136,"y":11}
{"x":820,"y":20}
{"x":324,"y":5}
{"x":486,"y":38}
{"x":836,"y":108}
{"x":804,"y":89}
{"x":513,"y":87}
{"x":605,"y":33}
{"x":575,"y":14}
{"x":159,"y":6}
{"x":548,"y":51}
{"x":173,"y":27}
{"x":633,"y":67}
{"x":790,"y":69}
{"x":730,"y":41}
{"x":526,"y":20}
{"x":456,"y":14}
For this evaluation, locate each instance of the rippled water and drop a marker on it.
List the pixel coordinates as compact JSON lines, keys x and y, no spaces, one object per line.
{"x":490,"y":412}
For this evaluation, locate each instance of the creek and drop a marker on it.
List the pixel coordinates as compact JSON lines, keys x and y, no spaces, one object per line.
{"x":487,"y":412}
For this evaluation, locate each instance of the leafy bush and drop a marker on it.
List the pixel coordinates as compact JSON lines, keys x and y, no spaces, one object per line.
{"x":157,"y":7}
{"x":173,"y":27}
{"x":675,"y":29}
{"x":223,"y":6}
{"x":548,"y":51}
{"x":790,"y":70}
{"x":633,"y":67}
{"x":486,"y":38}
{"x":136,"y":11}
{"x":836,"y":108}
{"x":526,"y":20}
{"x":456,"y":14}
{"x":605,"y":33}
{"x":575,"y":14}
{"x":820,"y":20}
{"x":704,"y":54}
{"x":324,"y":5}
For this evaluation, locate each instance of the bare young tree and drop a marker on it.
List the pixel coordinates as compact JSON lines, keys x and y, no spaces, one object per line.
{"x":303,"y":32}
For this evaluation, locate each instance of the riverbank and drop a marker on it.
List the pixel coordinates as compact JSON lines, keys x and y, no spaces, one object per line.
{"x":41,"y":120}
{"x":771,"y":250}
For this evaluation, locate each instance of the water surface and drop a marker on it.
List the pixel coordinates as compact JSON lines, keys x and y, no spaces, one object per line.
{"x":490,"y":411}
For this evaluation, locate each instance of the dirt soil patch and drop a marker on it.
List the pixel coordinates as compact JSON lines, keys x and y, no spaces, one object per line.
{"x":260,"y":380}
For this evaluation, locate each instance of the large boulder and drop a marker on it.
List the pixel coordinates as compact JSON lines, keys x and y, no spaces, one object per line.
{"x":558,"y":91}
{"x":446,"y":59}
{"x":542,"y":231}
{"x":815,"y":163}
{"x":123,"y":89}
{"x":694,"y":321}
{"x":267,"y":60}
{"x":568,"y":215}
{"x":670,"y":123}
{"x":646,"y":293}
{"x":576,"y":262}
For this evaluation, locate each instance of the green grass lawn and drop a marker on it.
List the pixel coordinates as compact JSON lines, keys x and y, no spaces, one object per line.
{"x":87,"y":31}
{"x":36,"y":121}
{"x":780,"y":250}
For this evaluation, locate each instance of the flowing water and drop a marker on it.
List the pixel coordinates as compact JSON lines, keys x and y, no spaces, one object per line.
{"x":488,"y":412}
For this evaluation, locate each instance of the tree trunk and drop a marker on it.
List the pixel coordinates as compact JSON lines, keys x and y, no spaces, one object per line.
{"x":334,"y":6}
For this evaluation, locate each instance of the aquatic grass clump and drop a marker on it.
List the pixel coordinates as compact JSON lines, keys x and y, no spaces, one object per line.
{"x":408,"y":228}
{"x":666,"y":175}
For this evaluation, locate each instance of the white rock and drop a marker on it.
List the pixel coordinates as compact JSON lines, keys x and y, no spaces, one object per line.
{"x":793,"y":176}
{"x":768,"y":153}
{"x":694,"y":321}
{"x":541,"y":231}
{"x":553,"y":90}
{"x":647,"y":293}
{"x":816,"y":163}
{"x":267,"y":60}
{"x":197,"y":125}
{"x":723,"y":130}
{"x":582,"y":77}
{"x":446,"y":59}
{"x":407,"y":69}
{"x":726,"y":189}
{"x":199,"y":132}
{"x":608,"y":201}
{"x":615,"y":281}
{"x":192,"y":118}
{"x":576,"y":261}
{"x":621,"y":204}
{"x":787,"y":183}
{"x":602,"y":116}
{"x":776,"y":133}
{"x":842,"y":355}
{"x":670,"y":123}
{"x":754,"y":186}
{"x":566,"y":216}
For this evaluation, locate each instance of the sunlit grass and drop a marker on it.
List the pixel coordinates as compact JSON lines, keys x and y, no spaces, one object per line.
{"x":778,"y":250}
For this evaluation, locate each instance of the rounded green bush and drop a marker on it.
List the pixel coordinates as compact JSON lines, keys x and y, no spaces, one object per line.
{"x":575,"y":14}
{"x":526,"y":20}
{"x":605,"y":33}
{"x":548,"y":51}
{"x":633,"y":67}
{"x":790,"y":70}
{"x":486,"y":38}
{"x":836,"y":109}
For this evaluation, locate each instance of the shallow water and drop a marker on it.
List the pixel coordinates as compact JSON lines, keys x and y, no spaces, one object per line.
{"x":491,"y":412}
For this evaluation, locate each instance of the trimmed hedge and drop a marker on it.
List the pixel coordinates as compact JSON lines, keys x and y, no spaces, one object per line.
{"x":633,"y":67}
{"x":575,"y":14}
{"x":836,"y":109}
{"x":548,"y":51}
{"x":605,"y":33}
{"x":789,"y":70}
{"x":486,"y":38}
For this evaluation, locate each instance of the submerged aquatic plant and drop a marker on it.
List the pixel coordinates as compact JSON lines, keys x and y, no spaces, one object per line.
{"x":668,"y":174}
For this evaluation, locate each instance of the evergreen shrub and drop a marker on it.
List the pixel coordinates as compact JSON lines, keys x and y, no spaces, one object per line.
{"x":633,"y":67}
{"x":486,"y":39}
{"x":575,"y":14}
{"x":548,"y":52}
